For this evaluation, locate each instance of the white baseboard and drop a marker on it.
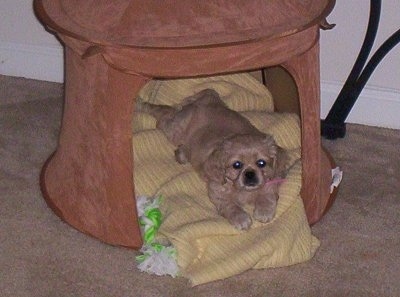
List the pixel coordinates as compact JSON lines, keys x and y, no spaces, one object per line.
{"x":375,"y":106}
{"x":32,"y":61}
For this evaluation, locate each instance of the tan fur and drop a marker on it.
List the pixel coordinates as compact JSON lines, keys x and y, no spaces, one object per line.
{"x":212,"y":138}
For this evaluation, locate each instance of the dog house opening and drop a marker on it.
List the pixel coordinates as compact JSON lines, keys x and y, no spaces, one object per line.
{"x":283,"y":88}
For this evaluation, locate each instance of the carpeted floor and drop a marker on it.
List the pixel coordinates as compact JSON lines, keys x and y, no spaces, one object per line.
{"x":42,"y":256}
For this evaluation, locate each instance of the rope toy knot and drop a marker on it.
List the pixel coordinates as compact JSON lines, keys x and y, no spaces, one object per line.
{"x":151,"y":221}
{"x":155,"y":258}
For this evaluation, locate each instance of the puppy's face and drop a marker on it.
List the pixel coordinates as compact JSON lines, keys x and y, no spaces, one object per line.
{"x":247,"y":161}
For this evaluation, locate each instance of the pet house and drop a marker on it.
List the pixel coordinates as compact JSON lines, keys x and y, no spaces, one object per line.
{"x":113,"y":48}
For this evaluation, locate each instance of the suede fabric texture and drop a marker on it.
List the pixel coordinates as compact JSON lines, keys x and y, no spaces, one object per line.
{"x":175,"y":23}
{"x":42,"y":256}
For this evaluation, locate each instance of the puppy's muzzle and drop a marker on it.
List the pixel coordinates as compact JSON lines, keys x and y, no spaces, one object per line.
{"x":250,"y":178}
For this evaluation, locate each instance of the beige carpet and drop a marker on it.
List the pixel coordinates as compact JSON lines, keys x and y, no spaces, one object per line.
{"x":42,"y":256}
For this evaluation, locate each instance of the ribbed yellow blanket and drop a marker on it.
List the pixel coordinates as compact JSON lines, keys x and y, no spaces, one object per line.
{"x":208,"y":247}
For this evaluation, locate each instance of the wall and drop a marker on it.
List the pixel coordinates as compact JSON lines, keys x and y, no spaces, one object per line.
{"x":379,"y":103}
{"x":27,"y":50}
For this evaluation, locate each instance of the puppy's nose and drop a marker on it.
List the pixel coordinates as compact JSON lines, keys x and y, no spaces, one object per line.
{"x":250,"y":178}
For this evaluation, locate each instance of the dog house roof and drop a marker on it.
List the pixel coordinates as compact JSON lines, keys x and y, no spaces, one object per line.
{"x":179,"y":23}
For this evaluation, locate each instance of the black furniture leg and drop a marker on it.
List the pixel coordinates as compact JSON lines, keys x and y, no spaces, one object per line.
{"x":334,"y":124}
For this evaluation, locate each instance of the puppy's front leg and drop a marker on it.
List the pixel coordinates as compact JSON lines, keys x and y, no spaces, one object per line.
{"x":236,"y":216}
{"x":265,"y":204}
{"x":225,"y":204}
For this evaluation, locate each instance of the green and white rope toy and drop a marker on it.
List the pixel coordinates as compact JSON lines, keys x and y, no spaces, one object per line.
{"x":155,"y":258}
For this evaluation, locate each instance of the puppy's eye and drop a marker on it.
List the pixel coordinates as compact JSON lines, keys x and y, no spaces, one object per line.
{"x":237,"y":165}
{"x":261,"y":163}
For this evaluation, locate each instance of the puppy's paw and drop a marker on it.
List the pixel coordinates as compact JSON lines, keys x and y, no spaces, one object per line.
{"x":241,"y":220}
{"x":264,"y":214}
{"x":181,"y":155}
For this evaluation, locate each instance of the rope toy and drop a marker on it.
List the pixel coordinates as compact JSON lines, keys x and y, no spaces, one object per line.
{"x":155,"y":258}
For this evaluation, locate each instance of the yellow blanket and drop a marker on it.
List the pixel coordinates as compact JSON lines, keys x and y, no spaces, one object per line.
{"x":208,"y":247}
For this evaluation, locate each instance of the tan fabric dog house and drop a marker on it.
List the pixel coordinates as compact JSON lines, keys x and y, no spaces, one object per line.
{"x":113,"y":48}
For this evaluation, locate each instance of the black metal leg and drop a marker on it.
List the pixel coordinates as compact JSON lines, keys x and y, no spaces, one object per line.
{"x":334,"y":124}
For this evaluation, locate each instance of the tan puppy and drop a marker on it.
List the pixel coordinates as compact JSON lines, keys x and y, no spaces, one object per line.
{"x":240,"y":164}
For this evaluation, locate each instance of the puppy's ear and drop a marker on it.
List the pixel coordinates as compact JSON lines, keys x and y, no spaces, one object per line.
{"x":213,"y":167}
{"x":279,"y":156}
{"x":280,"y":162}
